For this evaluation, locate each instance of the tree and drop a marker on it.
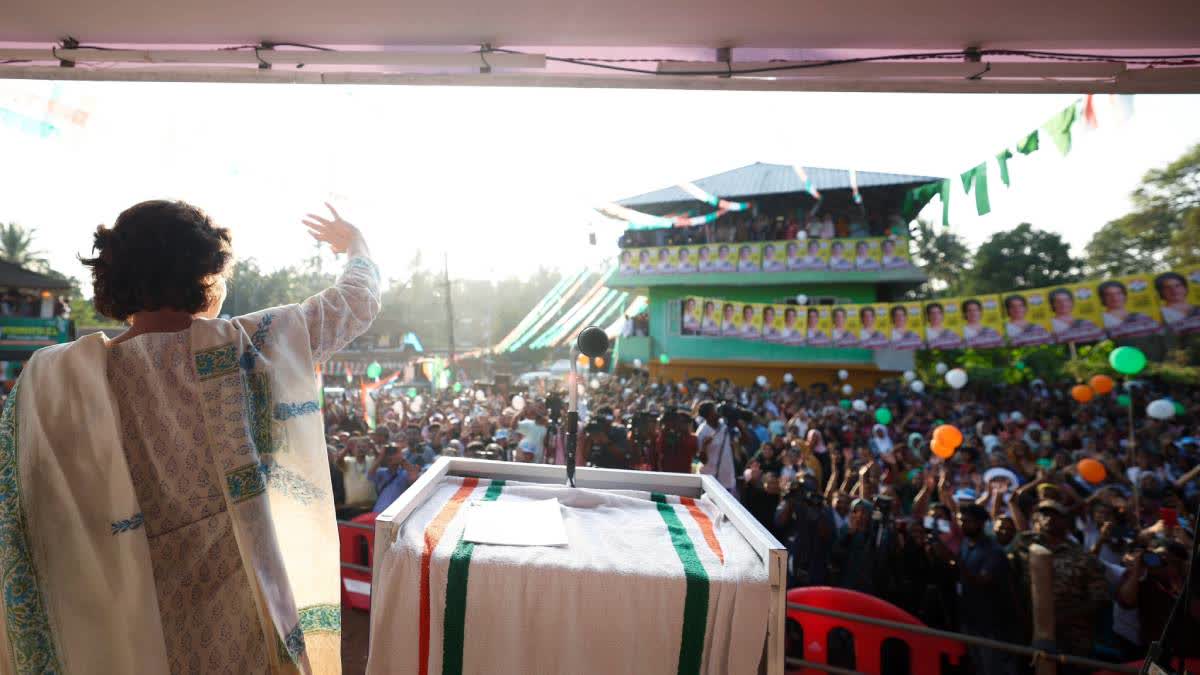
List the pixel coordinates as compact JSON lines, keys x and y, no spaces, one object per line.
{"x":16,"y":246}
{"x":942,"y":255}
{"x":1162,"y":231}
{"x":1023,"y":257}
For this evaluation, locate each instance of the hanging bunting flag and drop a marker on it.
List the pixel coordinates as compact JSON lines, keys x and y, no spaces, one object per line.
{"x":917,"y":198}
{"x":854,"y":186}
{"x":700,"y":194}
{"x":637,"y":220}
{"x":1002,"y":160}
{"x":945,"y":194}
{"x":1059,"y":129}
{"x":978,"y":178}
{"x":1030,"y":144}
{"x":1089,"y":112}
{"x":808,"y":184}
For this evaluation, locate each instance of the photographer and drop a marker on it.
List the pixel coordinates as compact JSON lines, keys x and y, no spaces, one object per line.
{"x":605,"y":445}
{"x":675,"y":445}
{"x":716,"y":446}
{"x":805,"y":524}
{"x":391,"y":474}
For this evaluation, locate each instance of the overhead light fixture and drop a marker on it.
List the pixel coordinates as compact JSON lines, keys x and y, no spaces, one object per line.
{"x":283,"y":57}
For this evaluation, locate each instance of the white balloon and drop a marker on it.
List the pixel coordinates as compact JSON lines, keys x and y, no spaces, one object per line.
{"x":703,"y":387}
{"x":518,"y":403}
{"x":909,"y":376}
{"x":957,"y":378}
{"x":637,"y":363}
{"x":787,"y":377}
{"x":481,"y":396}
{"x":941,"y":368}
{"x":1017,"y":417}
{"x":917,"y":386}
{"x":859,"y":405}
{"x":398,"y":407}
{"x":1161,"y":409}
{"x":595,"y":384}
{"x":628,"y":392}
{"x":847,"y":389}
{"x":761,"y":380}
{"x":801,"y":298}
{"x":801,"y":235}
{"x":842,"y":374}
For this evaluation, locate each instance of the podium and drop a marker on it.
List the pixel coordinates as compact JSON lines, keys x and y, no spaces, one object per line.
{"x":760,"y":550}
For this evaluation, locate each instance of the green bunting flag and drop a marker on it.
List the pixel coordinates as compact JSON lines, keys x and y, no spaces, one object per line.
{"x":1059,"y":129}
{"x":1002,"y":160}
{"x":945,"y":193}
{"x":1029,"y":145}
{"x":978,"y":178}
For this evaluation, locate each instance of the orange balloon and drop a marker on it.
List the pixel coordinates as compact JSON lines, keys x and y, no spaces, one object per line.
{"x":949,"y":435}
{"x":1082,"y":393}
{"x":1092,"y":471}
{"x":582,"y":360}
{"x":1102,"y":384}
{"x":941,"y":448}
{"x":599,"y":361}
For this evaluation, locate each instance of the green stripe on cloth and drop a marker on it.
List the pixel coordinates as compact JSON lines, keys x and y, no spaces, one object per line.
{"x":695,"y":603}
{"x":454,"y":626}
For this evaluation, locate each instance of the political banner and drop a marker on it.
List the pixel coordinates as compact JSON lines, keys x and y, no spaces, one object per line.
{"x":1026,"y":318}
{"x":710,"y":321}
{"x":1179,"y":299}
{"x":690,"y":321}
{"x":982,"y":322}
{"x":944,"y":324}
{"x":749,"y":257}
{"x":817,"y":325}
{"x":685,"y":260}
{"x":716,"y":258}
{"x":905,"y":326}
{"x":893,"y":254}
{"x":866,"y":255}
{"x":872,"y":326}
{"x":774,"y":256}
{"x":843,"y":328}
{"x":812,"y":254}
{"x":1128,"y":306}
{"x":840,"y":260}
{"x":792,"y":255}
{"x":1075,"y":313}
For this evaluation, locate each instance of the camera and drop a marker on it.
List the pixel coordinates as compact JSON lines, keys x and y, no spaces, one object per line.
{"x":733,"y":413}
{"x":554,"y":408}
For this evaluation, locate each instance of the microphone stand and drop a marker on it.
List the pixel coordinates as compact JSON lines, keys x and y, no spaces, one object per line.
{"x":572,"y":430}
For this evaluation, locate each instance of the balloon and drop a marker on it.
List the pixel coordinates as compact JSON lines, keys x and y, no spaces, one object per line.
{"x":941,"y":368}
{"x":1179,"y":409}
{"x":637,"y":363}
{"x":703,"y":387}
{"x":582,"y":360}
{"x":761,"y":380}
{"x":664,"y":359}
{"x":481,"y":396}
{"x":787,"y":378}
{"x":1123,"y":400}
{"x":412,"y":392}
{"x":1161,"y":409}
{"x":1101,"y":384}
{"x":842,"y":374}
{"x":595,"y":384}
{"x":374,"y":370}
{"x":1092,"y":471}
{"x":909,"y":376}
{"x":1082,"y":393}
{"x":941,"y":449}
{"x":845,"y":404}
{"x":599,"y":361}
{"x":457,"y":387}
{"x":859,"y":405}
{"x":949,"y":435}
{"x":418,"y":404}
{"x":801,"y":299}
{"x":518,"y":403}
{"x":917,"y":386}
{"x":957,"y":378}
{"x":1019,"y":365}
{"x":627,"y":392}
{"x":847,"y":389}
{"x":1127,"y":360}
{"x":883,"y":416}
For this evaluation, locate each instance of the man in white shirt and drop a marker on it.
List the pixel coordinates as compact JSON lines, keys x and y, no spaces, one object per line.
{"x":716,"y":447}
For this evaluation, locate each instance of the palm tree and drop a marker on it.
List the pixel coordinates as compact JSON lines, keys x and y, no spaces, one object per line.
{"x":944,"y":257}
{"x":16,"y":246}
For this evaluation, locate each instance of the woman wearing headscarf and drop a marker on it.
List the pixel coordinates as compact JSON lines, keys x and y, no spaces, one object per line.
{"x":166,"y":503}
{"x":880,"y":442}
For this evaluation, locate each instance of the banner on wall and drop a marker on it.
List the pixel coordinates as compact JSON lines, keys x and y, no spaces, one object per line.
{"x":1134,"y":305}
{"x":841,"y":255}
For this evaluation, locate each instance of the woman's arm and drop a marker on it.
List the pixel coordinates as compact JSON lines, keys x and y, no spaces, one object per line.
{"x":342,"y":312}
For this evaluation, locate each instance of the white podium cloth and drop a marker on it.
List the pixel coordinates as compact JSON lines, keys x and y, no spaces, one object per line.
{"x":647,"y":584}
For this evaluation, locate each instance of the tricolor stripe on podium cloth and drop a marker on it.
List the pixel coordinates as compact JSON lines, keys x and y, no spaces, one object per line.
{"x":647,"y":584}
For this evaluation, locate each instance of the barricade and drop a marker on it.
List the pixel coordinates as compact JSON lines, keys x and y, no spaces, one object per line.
{"x":357,"y":539}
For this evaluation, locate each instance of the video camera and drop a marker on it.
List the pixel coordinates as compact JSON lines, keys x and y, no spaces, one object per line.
{"x":733,"y":413}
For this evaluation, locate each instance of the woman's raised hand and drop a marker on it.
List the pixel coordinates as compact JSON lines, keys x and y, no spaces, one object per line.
{"x":336,"y":232}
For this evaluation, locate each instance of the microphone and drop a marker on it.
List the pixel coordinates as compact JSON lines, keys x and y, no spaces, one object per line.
{"x":591,"y":342}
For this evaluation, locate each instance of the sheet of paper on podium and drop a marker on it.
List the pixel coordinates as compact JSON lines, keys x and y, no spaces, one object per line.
{"x":516,"y":523}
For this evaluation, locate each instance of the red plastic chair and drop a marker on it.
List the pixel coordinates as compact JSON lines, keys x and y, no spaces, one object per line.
{"x":357,"y":548}
{"x":924,"y":651}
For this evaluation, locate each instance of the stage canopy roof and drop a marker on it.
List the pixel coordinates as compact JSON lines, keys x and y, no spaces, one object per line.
{"x":774,"y":43}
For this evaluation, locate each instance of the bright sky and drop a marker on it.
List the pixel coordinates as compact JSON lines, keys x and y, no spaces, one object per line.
{"x":504,"y":178}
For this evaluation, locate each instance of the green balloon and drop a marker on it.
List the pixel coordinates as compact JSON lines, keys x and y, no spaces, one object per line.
{"x":374,"y":370}
{"x":1179,"y":409}
{"x":883,"y":415}
{"x":457,"y":387}
{"x":664,"y":359}
{"x":412,"y":392}
{"x":1123,"y":400}
{"x":845,"y":403}
{"x":1020,"y":365}
{"x":1127,"y":360}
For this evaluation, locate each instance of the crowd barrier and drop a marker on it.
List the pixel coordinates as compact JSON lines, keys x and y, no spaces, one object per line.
{"x":357,"y":540}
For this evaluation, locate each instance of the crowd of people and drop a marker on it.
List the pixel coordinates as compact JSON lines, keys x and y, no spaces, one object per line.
{"x":866,"y":506}
{"x":746,"y":226}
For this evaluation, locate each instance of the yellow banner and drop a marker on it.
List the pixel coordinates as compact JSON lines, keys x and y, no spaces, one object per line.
{"x":749,"y":257}
{"x":905,"y":326}
{"x":690,"y":323}
{"x":1179,"y":299}
{"x":1128,"y":306}
{"x":944,"y":324}
{"x":982,"y":322}
{"x":1075,"y":313}
{"x":1026,"y":318}
{"x":818,"y":322}
{"x":812,"y":254}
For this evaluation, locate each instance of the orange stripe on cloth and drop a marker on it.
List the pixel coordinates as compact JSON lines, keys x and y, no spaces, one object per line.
{"x":706,"y":526}
{"x":433,"y":535}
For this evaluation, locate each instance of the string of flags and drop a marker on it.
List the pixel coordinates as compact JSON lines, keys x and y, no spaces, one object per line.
{"x":1058,"y":129}
{"x":637,"y":220}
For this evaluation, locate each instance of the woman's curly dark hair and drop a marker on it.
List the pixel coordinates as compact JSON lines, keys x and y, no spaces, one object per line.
{"x":158,"y":255}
